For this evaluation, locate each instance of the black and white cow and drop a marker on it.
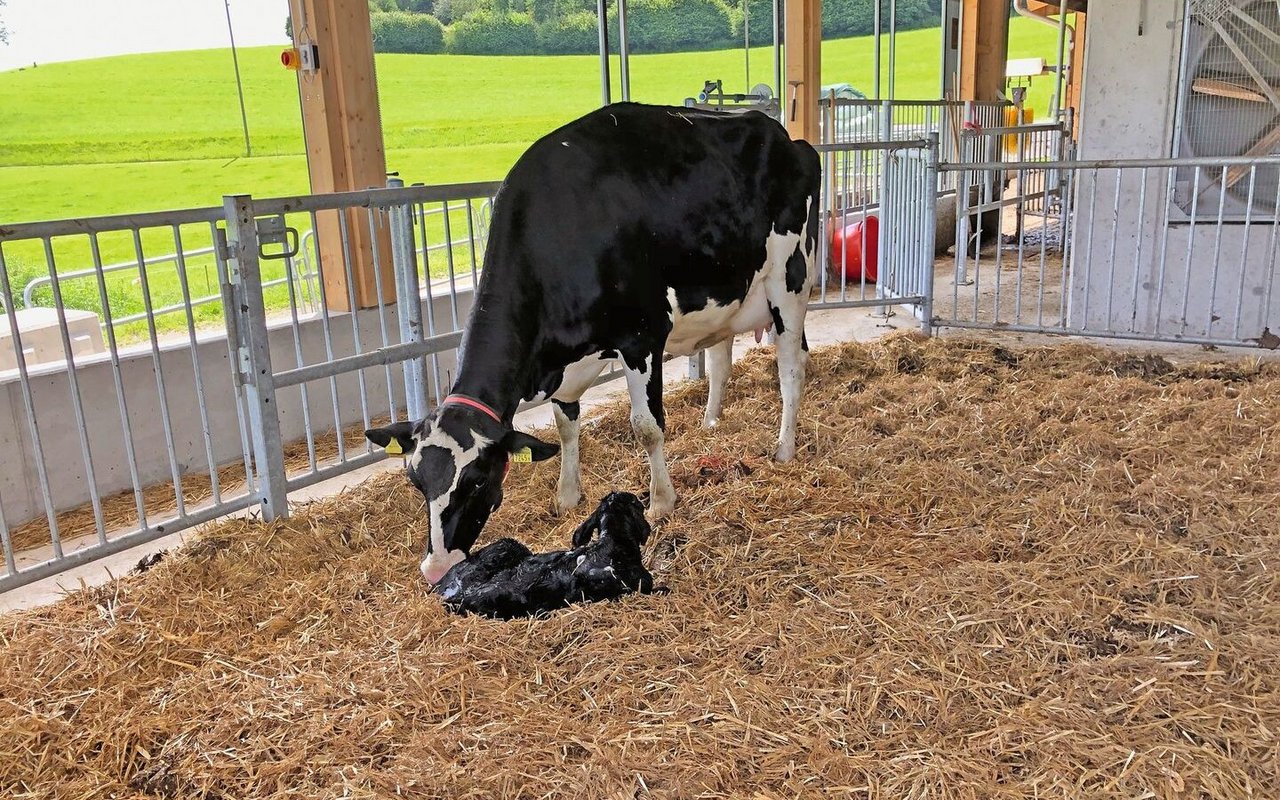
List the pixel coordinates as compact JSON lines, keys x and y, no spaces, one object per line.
{"x":632,"y":230}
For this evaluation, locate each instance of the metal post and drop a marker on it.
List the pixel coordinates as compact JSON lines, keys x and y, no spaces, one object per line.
{"x":930,"y":234}
{"x":254,"y":355}
{"x":893,"y":44}
{"x":235,"y":61}
{"x":882,"y":235}
{"x":624,"y":52}
{"x":777,"y":54}
{"x":408,"y":301}
{"x":602,"y":10}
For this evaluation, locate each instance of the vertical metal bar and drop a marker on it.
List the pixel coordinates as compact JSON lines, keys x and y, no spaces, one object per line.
{"x":453,"y":278}
{"x":1244,"y":253}
{"x":602,"y":19}
{"x":408,"y":301}
{"x":28,"y":402}
{"x":777,"y":52}
{"x":1088,"y":255}
{"x":1191,"y":246}
{"x":10,"y":566}
{"x":875,"y":22}
{"x":1217,"y":254}
{"x":165,"y":421}
{"x":299,"y":361}
{"x":1137,"y":259}
{"x":1111,"y":256}
{"x":259,"y":387}
{"x":624,"y":54}
{"x":73,"y":383}
{"x":893,"y":45}
{"x":328,"y":353}
{"x":382,"y":306}
{"x":113,"y":348}
{"x":930,"y":233}
{"x":1274,"y":251}
{"x":1060,"y":75}
{"x":229,"y":312}
{"x":431,"y":304}
{"x":1170,"y":180}
{"x":345,"y":235}
{"x":214,"y":487}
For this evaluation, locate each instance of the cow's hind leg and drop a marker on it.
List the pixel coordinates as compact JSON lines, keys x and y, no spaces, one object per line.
{"x":644,"y":384}
{"x":788,"y":297}
{"x":719,"y":363}
{"x":569,"y":490}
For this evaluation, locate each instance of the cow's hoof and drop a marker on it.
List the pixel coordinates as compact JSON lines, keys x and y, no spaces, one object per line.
{"x":786,"y":452}
{"x":710,"y":422}
{"x":566,"y":503}
{"x":658,"y":511}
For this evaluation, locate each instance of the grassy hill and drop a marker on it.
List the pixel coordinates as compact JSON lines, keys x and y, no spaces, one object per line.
{"x":157,"y":131}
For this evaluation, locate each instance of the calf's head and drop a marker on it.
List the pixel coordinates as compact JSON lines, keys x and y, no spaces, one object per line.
{"x":457,"y":458}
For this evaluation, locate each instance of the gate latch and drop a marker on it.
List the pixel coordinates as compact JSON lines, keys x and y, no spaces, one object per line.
{"x":274,"y":231}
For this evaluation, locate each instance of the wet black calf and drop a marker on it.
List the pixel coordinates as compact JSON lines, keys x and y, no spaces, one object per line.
{"x":506,"y":579}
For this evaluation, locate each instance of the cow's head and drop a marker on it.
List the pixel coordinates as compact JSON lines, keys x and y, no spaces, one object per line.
{"x":457,"y":457}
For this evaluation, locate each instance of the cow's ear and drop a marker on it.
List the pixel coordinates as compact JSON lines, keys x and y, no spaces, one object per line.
{"x":523,"y":447}
{"x":397,"y":439}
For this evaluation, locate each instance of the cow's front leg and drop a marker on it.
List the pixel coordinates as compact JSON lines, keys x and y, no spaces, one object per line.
{"x":569,"y":489}
{"x":648,"y":420}
{"x":719,"y":363}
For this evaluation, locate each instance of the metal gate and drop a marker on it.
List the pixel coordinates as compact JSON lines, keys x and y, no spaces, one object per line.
{"x":1132,"y":249}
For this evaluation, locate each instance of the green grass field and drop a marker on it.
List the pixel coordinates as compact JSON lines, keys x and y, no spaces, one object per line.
{"x":161,"y":131}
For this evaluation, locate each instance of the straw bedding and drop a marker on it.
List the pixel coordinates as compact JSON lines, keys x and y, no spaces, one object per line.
{"x":993,"y":573}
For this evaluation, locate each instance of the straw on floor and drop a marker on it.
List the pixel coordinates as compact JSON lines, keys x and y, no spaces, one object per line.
{"x":992,"y":573}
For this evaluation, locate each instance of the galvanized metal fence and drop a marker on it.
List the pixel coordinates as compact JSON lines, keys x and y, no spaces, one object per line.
{"x":114,"y":448}
{"x":1125,"y":260}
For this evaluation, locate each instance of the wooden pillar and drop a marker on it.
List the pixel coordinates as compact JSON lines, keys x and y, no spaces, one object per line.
{"x":984,"y":49}
{"x":343,"y":131}
{"x":803,"y":32}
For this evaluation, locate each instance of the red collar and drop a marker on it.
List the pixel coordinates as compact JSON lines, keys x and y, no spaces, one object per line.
{"x":463,"y":400}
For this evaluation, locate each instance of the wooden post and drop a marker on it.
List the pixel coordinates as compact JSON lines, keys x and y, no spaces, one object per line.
{"x":1075,"y":80}
{"x":984,"y":49}
{"x":343,"y":131}
{"x":803,"y":38}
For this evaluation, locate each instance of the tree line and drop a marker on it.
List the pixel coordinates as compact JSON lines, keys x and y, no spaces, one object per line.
{"x":526,"y":27}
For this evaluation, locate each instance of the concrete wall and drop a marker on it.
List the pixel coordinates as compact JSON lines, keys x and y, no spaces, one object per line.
{"x":20,"y":491}
{"x":1128,"y":110}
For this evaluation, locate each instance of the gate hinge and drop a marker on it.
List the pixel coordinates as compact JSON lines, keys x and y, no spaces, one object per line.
{"x":246,"y":366}
{"x":222,"y":246}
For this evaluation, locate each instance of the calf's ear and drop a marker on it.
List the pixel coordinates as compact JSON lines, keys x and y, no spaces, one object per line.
{"x":523,"y":447}
{"x":397,"y":438}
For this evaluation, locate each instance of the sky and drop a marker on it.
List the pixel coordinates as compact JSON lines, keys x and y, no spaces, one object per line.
{"x":42,"y":31}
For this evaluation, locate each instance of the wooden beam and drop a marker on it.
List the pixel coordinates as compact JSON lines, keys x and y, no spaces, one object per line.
{"x":1049,"y":8}
{"x":984,"y":49}
{"x":803,"y":32}
{"x":343,"y":132}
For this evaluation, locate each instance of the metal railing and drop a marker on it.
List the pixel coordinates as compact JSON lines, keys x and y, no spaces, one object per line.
{"x":874,"y":254}
{"x":1122,"y":261}
{"x":111,"y":445}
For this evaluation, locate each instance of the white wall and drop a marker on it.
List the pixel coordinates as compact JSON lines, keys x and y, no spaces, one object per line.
{"x":1128,"y":110}
{"x":20,"y":490}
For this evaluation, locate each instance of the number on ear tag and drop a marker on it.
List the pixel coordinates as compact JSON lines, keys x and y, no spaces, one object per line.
{"x":393,"y":448}
{"x":522,"y":456}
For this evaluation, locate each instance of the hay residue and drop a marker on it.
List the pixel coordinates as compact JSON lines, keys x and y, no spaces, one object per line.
{"x":992,"y":573}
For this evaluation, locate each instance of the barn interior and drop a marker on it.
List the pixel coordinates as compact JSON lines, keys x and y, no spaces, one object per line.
{"x":1029,"y":547}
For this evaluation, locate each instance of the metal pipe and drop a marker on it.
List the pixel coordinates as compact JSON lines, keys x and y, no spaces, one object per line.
{"x":1065,"y":33}
{"x":624,"y":52}
{"x":777,"y":53}
{"x":602,"y":16}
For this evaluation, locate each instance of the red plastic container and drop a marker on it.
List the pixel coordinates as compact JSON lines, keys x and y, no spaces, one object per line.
{"x":849,"y":254}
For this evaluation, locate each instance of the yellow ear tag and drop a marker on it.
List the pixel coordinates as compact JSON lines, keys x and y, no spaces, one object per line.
{"x":522,"y":456}
{"x":393,"y":448}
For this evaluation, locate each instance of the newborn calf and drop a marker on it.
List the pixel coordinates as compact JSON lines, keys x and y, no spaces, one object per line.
{"x":506,"y":579}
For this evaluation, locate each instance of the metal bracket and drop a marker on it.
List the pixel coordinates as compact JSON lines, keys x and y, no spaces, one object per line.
{"x":274,"y":230}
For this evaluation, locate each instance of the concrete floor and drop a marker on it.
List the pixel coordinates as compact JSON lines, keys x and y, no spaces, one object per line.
{"x":823,"y":327}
